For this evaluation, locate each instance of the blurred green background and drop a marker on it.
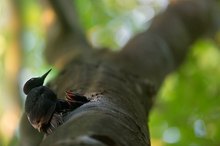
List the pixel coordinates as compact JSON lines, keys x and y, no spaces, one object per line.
{"x":186,"y":112}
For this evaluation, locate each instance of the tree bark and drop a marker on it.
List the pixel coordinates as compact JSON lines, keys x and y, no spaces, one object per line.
{"x":121,"y":86}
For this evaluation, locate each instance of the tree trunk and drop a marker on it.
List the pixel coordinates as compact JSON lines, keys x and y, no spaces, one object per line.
{"x":121,"y":85}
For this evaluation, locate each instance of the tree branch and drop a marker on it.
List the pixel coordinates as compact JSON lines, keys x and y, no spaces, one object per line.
{"x":160,"y":50}
{"x":71,"y":37}
{"x":66,"y":13}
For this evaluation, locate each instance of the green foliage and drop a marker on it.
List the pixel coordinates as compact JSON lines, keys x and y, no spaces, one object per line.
{"x":33,"y":33}
{"x":189,"y":101}
{"x":111,"y":23}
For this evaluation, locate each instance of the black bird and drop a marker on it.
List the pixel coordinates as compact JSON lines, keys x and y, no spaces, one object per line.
{"x":44,"y":110}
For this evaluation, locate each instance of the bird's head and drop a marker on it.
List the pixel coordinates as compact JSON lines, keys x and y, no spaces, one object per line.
{"x":34,"y":82}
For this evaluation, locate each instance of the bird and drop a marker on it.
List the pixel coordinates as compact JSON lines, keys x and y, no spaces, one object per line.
{"x":44,"y":110}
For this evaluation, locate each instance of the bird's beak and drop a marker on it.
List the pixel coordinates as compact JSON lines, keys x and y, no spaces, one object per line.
{"x":45,"y":75}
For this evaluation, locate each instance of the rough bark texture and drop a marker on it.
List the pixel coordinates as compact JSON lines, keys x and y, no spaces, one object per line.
{"x":121,"y":85}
